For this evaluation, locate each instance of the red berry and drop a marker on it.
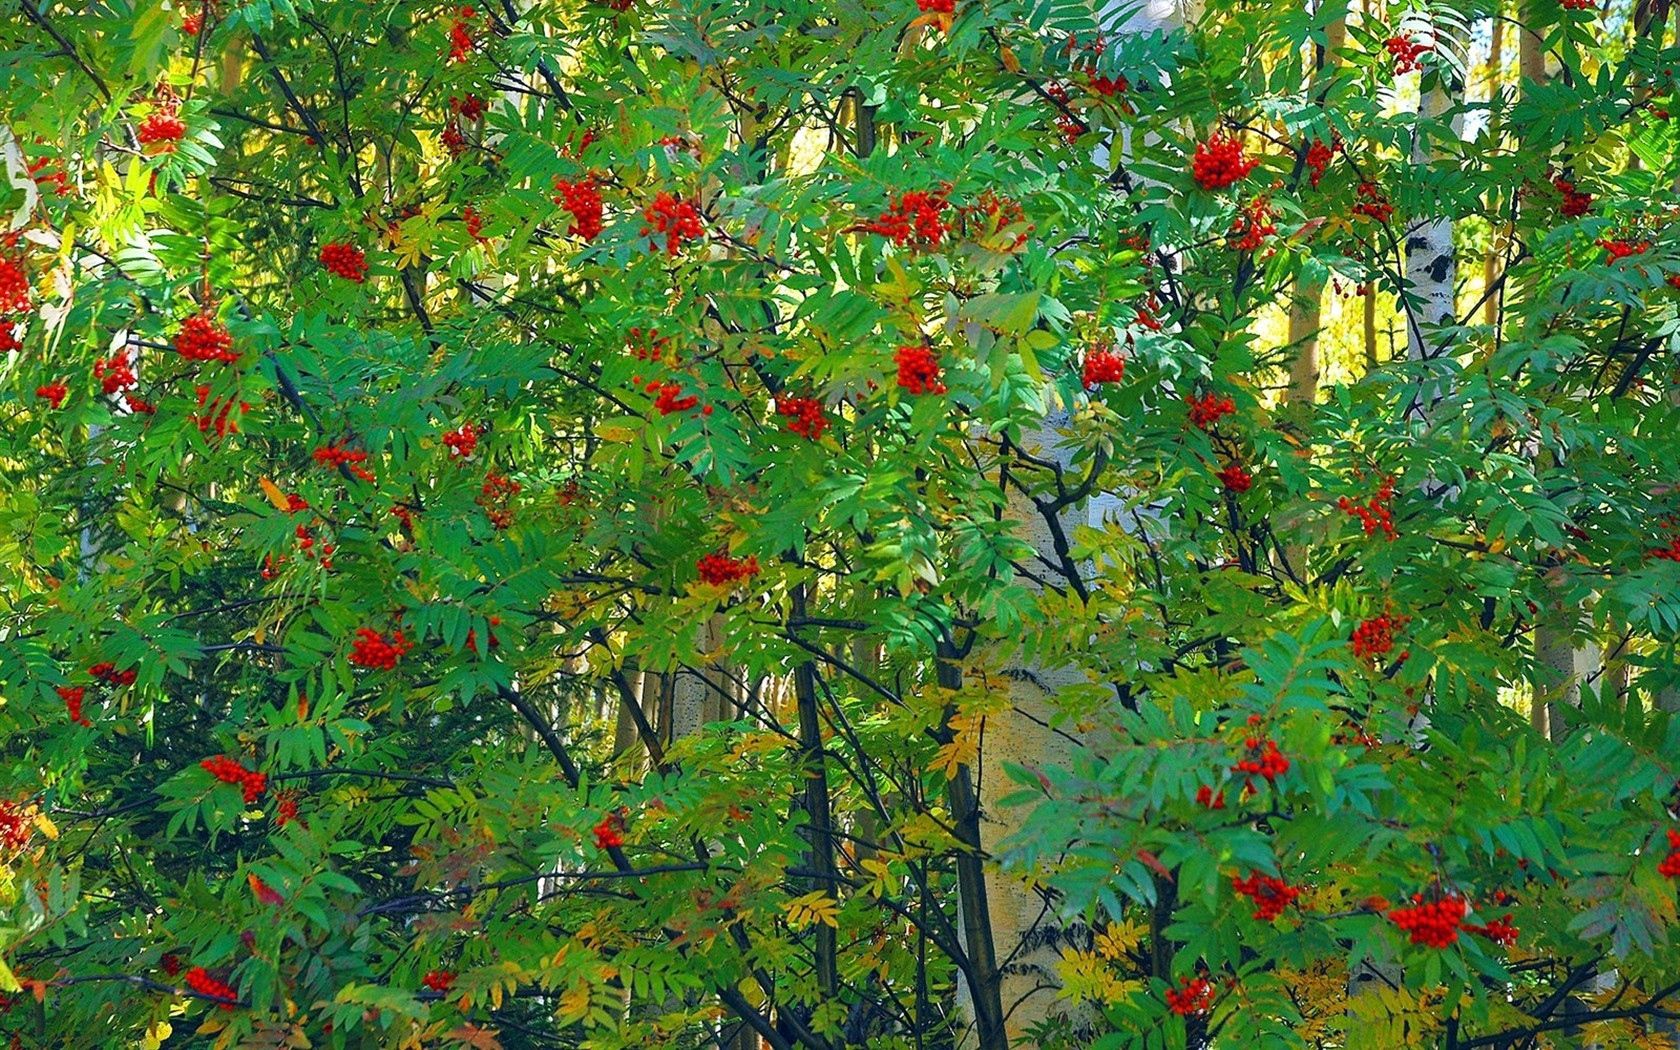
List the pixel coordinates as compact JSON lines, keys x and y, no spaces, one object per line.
{"x":345,"y":260}
{"x":918,"y":369}
{"x":721,"y":570}
{"x":1220,"y":162}
{"x":378,"y":651}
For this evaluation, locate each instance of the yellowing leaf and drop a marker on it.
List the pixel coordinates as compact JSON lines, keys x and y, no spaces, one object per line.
{"x":813,"y":908}
{"x":46,"y":827}
{"x":275,"y":496}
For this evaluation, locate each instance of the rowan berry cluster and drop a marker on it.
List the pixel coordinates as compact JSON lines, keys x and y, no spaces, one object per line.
{"x":1069,"y":125}
{"x":915,"y":219}
{"x":1616,"y":249}
{"x":1375,"y":515}
{"x":990,"y":213}
{"x":348,"y":458}
{"x":677,"y":220}
{"x":469,"y":108}
{"x":215,"y":415}
{"x":1236,"y":478}
{"x":472,"y":634}
{"x":439,"y":980}
{"x":1670,"y":866}
{"x":918,"y":369}
{"x":115,"y":373}
{"x":462,"y":442}
{"x":16,"y":826}
{"x":1220,"y":161}
{"x":1207,"y":798}
{"x":53,"y":393}
{"x":46,"y":173}
{"x":14,"y":281}
{"x":1578,"y":5}
{"x":1102,"y":365}
{"x":582,"y":198}
{"x":1252,"y":225}
{"x":496,"y":496}
{"x":1319,"y":156}
{"x":1208,"y":409}
{"x":1575,"y":203}
{"x":1408,"y":53}
{"x":1106,"y":86}
{"x":285,"y":808}
{"x":161,"y":131}
{"x":107,"y":672}
{"x":200,"y":981}
{"x":648,"y":345}
{"x":1194,"y":995}
{"x":73,"y":695}
{"x":249,"y":781}
{"x":802,"y":415}
{"x":721,"y":570}
{"x":9,"y":341}
{"x":609,"y":832}
{"x":937,"y":7}
{"x":1261,"y":758}
{"x":1372,"y":203}
{"x":460,"y":34}
{"x":345,"y":260}
{"x":1433,"y":923}
{"x":1499,"y":931}
{"x":202,"y":339}
{"x":378,"y":651}
{"x":1375,"y":637}
{"x":1271,"y":895}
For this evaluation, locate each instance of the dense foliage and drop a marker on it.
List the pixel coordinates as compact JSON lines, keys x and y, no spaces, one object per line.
{"x":656,"y":524}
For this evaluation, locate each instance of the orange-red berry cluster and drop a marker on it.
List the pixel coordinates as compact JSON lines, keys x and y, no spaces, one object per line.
{"x":460,"y":34}
{"x":202,"y":339}
{"x":349,"y":458}
{"x":1670,"y":866}
{"x":1220,"y":162}
{"x":1102,"y":365}
{"x":1194,"y":995}
{"x":1616,"y":249}
{"x":373,"y":649}
{"x":1236,"y":478}
{"x":1499,"y":931}
{"x":249,"y":781}
{"x":1319,"y":156}
{"x":1408,"y":53}
{"x":802,"y":415}
{"x":16,"y":827}
{"x":1208,"y":409}
{"x":1252,"y":225}
{"x":719,"y":569}
{"x":669,"y":397}
{"x":609,"y":833}
{"x":462,"y":442}
{"x":345,"y":260}
{"x":1575,"y":203}
{"x":215,"y":415}
{"x":915,"y":219}
{"x":496,"y":496}
{"x":73,"y":696}
{"x":1375,"y":515}
{"x":161,"y":131}
{"x":200,"y":981}
{"x":918,"y":369}
{"x":1433,"y":923}
{"x":1372,"y":203}
{"x":439,"y":980}
{"x":107,"y":672}
{"x":677,"y":220}
{"x":115,"y":373}
{"x":1261,"y":758}
{"x":582,"y":198}
{"x":1271,"y":895}
{"x":1210,"y":799}
{"x":1375,"y":637}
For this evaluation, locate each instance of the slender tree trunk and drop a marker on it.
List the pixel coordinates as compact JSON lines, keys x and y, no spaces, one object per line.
{"x":1306,"y":301}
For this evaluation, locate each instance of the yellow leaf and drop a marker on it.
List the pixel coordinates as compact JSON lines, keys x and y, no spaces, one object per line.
{"x":1010,"y":62}
{"x":275,"y":496}
{"x":574,"y":1002}
{"x":46,"y":826}
{"x":813,"y":908}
